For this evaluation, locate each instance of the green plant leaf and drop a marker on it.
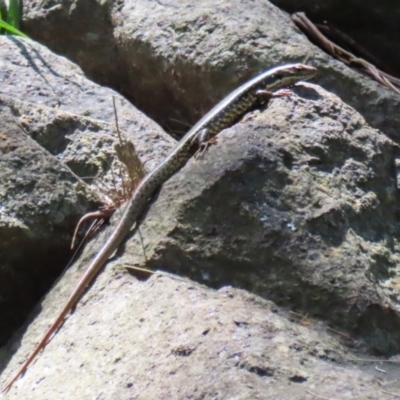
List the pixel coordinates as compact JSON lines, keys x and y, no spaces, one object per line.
{"x":11,"y":29}
{"x":14,"y":13}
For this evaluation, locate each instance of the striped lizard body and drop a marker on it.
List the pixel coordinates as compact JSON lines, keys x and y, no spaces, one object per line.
{"x":223,"y":115}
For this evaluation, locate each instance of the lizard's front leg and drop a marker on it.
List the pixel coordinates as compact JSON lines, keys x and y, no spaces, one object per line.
{"x":264,"y":96}
{"x":203,"y":142}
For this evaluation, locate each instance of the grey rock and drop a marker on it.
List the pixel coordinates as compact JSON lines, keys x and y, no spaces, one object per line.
{"x":298,"y":205}
{"x":54,"y":158}
{"x":174,"y":60}
{"x":169,"y":338}
{"x":32,"y":73}
{"x":285,"y":231}
{"x":39,"y":200}
{"x":291,"y":204}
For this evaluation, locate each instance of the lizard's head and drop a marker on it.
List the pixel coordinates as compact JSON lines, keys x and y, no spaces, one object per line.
{"x":288,"y":75}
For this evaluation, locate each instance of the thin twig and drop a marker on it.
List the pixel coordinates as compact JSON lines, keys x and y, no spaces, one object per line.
{"x":345,"y":39}
{"x":148,"y":271}
{"x":142,"y":243}
{"x":343,"y":55}
{"x":372,"y":360}
{"x":317,"y":395}
{"x":391,"y":394}
{"x":116,"y":120}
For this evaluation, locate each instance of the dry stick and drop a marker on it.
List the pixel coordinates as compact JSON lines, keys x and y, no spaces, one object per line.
{"x":180,"y":122}
{"x":343,"y":55}
{"x":380,"y":369}
{"x":102,"y":215}
{"x":117,"y":197}
{"x":127,"y":155}
{"x":77,"y":250}
{"x":390,"y":393}
{"x":342,"y":334}
{"x":113,"y":178}
{"x":116,"y":120}
{"x":142,"y":243}
{"x":372,"y":360}
{"x":317,"y":395}
{"x":147,"y":271}
{"x":387,"y":382}
{"x":344,"y":39}
{"x":341,"y":36}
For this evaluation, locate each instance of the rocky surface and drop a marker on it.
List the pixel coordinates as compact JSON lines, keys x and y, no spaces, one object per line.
{"x":57,"y":152}
{"x":281,"y":207}
{"x":40,"y":199}
{"x":169,"y":338}
{"x":58,"y":102}
{"x":278,"y":248}
{"x":175,"y":59}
